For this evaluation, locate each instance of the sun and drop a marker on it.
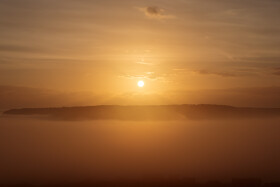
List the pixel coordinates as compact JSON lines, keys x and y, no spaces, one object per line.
{"x":141,"y":84}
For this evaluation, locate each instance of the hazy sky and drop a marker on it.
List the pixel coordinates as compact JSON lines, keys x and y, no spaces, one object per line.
{"x":103,"y":47}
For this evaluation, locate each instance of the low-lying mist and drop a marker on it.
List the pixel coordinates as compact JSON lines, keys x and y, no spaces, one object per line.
{"x":39,"y":151}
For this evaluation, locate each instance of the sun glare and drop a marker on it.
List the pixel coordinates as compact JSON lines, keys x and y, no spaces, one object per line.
{"x":141,"y":84}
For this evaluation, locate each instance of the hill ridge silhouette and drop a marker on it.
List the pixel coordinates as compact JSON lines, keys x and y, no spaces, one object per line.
{"x":148,"y":112}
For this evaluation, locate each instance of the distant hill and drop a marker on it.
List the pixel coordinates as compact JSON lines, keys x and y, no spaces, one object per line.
{"x":162,"y":112}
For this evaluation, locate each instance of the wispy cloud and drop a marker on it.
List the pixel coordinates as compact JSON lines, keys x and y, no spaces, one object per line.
{"x":143,"y":62}
{"x":155,"y":12}
{"x":146,"y":75}
{"x":276,"y":71}
{"x":233,"y":72}
{"x":207,"y":72}
{"x":222,"y":74}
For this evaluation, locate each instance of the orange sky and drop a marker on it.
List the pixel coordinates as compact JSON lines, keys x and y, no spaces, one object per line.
{"x":184,"y":50}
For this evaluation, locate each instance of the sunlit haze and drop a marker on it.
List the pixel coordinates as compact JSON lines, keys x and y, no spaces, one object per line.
{"x":186,"y":51}
{"x":139,"y":93}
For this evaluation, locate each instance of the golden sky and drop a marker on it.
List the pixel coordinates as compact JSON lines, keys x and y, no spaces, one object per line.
{"x":181,"y":48}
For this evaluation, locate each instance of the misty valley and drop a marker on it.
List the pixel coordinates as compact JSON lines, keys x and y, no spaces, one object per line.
{"x":215,"y":152}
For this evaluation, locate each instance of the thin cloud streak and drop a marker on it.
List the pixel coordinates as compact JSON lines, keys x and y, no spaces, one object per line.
{"x":147,"y":75}
{"x":222,"y":74}
{"x":277,"y":71}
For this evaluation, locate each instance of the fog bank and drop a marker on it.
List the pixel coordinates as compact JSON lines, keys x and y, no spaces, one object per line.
{"x":39,"y":151}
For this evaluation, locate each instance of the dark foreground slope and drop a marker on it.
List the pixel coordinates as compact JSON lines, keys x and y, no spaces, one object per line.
{"x":164,"y":112}
{"x":161,"y":183}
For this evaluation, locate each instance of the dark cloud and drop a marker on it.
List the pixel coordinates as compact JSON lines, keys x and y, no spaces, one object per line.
{"x":156,"y":13}
{"x":153,"y":10}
